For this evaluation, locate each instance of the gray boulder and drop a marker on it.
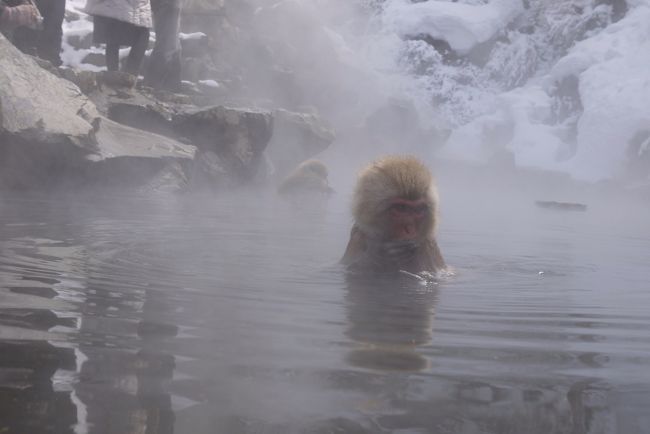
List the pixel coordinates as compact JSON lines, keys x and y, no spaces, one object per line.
{"x":51,"y":133}
{"x":38,"y":106}
{"x":638,"y":157}
{"x":146,"y":115}
{"x":229,"y":139}
{"x":397,"y":122}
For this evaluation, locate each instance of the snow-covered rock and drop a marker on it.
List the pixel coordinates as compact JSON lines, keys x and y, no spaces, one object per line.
{"x":564,"y":86}
{"x":462,"y":26}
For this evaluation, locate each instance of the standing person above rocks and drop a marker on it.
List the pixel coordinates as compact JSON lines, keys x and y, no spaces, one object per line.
{"x":44,"y":42}
{"x":121,"y":22}
{"x":164,"y":71}
{"x":14,"y":15}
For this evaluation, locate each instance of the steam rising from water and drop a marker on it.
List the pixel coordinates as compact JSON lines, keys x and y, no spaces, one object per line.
{"x":554,"y":85}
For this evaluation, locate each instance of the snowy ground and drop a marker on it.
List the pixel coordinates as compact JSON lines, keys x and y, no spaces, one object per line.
{"x":81,"y":28}
{"x":514,"y":101}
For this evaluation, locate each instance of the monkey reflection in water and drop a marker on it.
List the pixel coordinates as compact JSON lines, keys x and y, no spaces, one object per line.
{"x":389,"y":317}
{"x":395,"y":209}
{"x":390,"y":314}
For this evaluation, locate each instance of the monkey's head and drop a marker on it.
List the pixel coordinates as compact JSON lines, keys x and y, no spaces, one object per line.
{"x":396,"y":200}
{"x":315,"y":167}
{"x":309,"y":177}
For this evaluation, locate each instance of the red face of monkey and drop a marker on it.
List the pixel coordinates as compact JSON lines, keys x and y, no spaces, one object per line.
{"x":407,"y":219}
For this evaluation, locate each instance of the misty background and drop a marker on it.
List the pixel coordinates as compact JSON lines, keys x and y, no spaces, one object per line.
{"x":225,"y":310}
{"x":556,"y":85}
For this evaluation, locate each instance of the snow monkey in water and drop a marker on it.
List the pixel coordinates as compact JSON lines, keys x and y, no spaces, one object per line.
{"x":395,"y":210}
{"x":310,"y":177}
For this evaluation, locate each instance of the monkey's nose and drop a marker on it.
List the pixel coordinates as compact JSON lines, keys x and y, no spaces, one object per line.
{"x":408,"y":231}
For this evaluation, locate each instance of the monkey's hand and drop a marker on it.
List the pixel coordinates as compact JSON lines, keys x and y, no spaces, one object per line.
{"x":399,"y":252}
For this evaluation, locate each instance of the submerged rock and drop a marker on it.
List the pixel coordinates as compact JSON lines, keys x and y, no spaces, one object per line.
{"x":51,"y":133}
{"x":563,"y":206}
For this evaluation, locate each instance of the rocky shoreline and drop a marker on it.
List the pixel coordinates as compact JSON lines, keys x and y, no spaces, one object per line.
{"x":263,"y":85}
{"x":76,"y":127}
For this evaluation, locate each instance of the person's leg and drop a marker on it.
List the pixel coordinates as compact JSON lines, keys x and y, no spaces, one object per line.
{"x":165,"y":63}
{"x":49,"y":43}
{"x":112,"y":55}
{"x":136,"y":54}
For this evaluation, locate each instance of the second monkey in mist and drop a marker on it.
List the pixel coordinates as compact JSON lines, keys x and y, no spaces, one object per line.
{"x":309,"y":178}
{"x":395,"y":208}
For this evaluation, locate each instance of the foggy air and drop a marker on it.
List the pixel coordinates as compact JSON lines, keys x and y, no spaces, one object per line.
{"x":320,"y":216}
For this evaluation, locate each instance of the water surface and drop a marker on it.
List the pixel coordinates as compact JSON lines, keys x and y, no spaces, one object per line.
{"x":212,"y":315}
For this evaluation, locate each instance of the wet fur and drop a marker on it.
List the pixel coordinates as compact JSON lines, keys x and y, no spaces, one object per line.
{"x":309,"y":177}
{"x":378,"y":185}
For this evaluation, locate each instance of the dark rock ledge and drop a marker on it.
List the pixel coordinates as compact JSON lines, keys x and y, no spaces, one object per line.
{"x":62,"y":128}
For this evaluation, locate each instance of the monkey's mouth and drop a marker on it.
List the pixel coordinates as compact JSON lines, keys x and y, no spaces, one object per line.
{"x":406,"y":233}
{"x":399,"y":251}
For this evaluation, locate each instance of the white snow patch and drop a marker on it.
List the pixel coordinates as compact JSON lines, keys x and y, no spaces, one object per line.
{"x":614,"y":88}
{"x":209,"y":83}
{"x":192,"y":36}
{"x":461,"y":25}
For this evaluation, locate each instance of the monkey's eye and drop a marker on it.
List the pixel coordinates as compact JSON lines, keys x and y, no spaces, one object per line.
{"x":400,"y":207}
{"x":405,"y":208}
{"x":421,"y":209}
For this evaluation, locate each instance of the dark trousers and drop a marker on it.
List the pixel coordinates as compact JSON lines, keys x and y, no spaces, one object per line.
{"x":45,"y":43}
{"x":115,"y":34}
{"x":139,"y":45}
{"x":164,"y":71}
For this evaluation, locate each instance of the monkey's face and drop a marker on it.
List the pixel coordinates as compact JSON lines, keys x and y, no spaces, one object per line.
{"x":407,"y":220}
